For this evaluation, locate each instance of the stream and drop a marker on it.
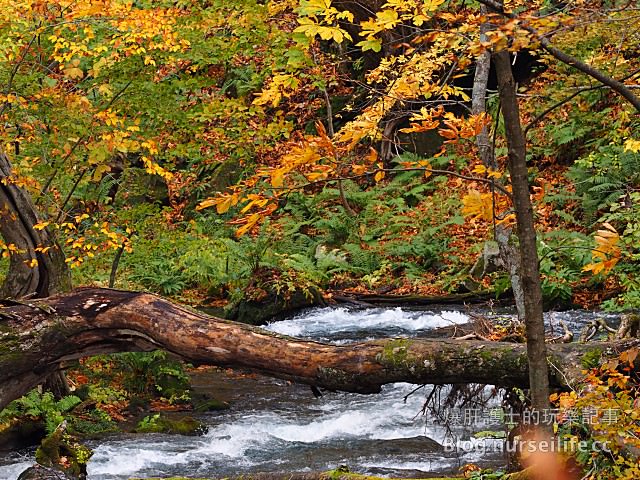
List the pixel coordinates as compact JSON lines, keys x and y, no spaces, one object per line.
{"x":276,"y":426}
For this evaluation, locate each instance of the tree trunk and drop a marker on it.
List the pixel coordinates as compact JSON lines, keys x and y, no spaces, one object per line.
{"x":529,"y":268}
{"x":36,"y":339}
{"x":38,"y":267}
{"x":479,"y":97}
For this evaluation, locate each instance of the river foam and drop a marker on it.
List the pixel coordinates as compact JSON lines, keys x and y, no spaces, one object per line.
{"x":326,"y":322}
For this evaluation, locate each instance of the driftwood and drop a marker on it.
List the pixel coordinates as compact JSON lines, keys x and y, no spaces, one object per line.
{"x":37,"y":338}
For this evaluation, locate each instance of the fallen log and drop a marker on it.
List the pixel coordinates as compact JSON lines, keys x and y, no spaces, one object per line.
{"x":38,"y":337}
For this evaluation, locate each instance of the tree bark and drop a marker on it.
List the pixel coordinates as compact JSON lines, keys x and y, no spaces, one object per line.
{"x":17,"y":217}
{"x":37,"y":339}
{"x":479,"y":97}
{"x":529,"y":268}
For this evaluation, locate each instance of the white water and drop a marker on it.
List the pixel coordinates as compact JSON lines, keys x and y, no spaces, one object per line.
{"x":330,"y":322}
{"x":318,"y":435}
{"x":275,"y":426}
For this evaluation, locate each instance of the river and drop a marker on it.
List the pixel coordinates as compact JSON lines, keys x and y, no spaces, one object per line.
{"x":275,"y":426}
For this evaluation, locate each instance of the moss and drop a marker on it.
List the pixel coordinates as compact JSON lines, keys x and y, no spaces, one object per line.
{"x":48,"y":453}
{"x":58,"y":445}
{"x":164,"y":424}
{"x":333,"y":378}
{"x":488,"y":356}
{"x":211,"y":406}
{"x":10,"y":345}
{"x":395,"y":353}
{"x":591,"y":358}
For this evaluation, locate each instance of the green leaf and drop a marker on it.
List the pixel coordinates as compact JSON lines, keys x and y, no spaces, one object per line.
{"x":374,"y":44}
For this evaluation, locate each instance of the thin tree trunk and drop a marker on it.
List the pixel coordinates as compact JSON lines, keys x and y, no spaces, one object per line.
{"x":36,"y":339}
{"x":479,"y":97}
{"x":529,"y":268}
{"x":38,"y":267}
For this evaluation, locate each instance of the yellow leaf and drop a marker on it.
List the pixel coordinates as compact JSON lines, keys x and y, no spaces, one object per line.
{"x":432,"y":5}
{"x":359,"y":169}
{"x":224,"y":205}
{"x":632,"y":145}
{"x":105,"y":89}
{"x":250,"y":222}
{"x":209,"y":202}
{"x":41,"y":225}
{"x":607,"y":252}
{"x":256,"y":201}
{"x":33,"y":263}
{"x":99,"y":172}
{"x":277,"y":177}
{"x":387,"y":19}
{"x":73,"y":70}
{"x":478,"y":205}
{"x":479,"y":169}
{"x":372,"y":156}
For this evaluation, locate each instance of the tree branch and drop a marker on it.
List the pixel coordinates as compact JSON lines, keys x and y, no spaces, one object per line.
{"x":570,"y":60}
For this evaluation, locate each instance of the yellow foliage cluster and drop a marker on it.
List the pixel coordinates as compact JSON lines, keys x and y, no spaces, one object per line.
{"x":607,"y":252}
{"x":320,"y":18}
{"x":8,"y":249}
{"x":394,"y":13}
{"x":281,"y":86}
{"x":487,"y":206}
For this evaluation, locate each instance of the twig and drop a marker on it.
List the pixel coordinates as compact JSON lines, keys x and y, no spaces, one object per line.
{"x":114,"y":265}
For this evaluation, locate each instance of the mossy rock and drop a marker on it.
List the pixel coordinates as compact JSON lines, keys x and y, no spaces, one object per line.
{"x":210,"y":405}
{"x":59,"y":445}
{"x":139,"y":187}
{"x":38,"y":472}
{"x":183,"y":425}
{"x":591,"y":359}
